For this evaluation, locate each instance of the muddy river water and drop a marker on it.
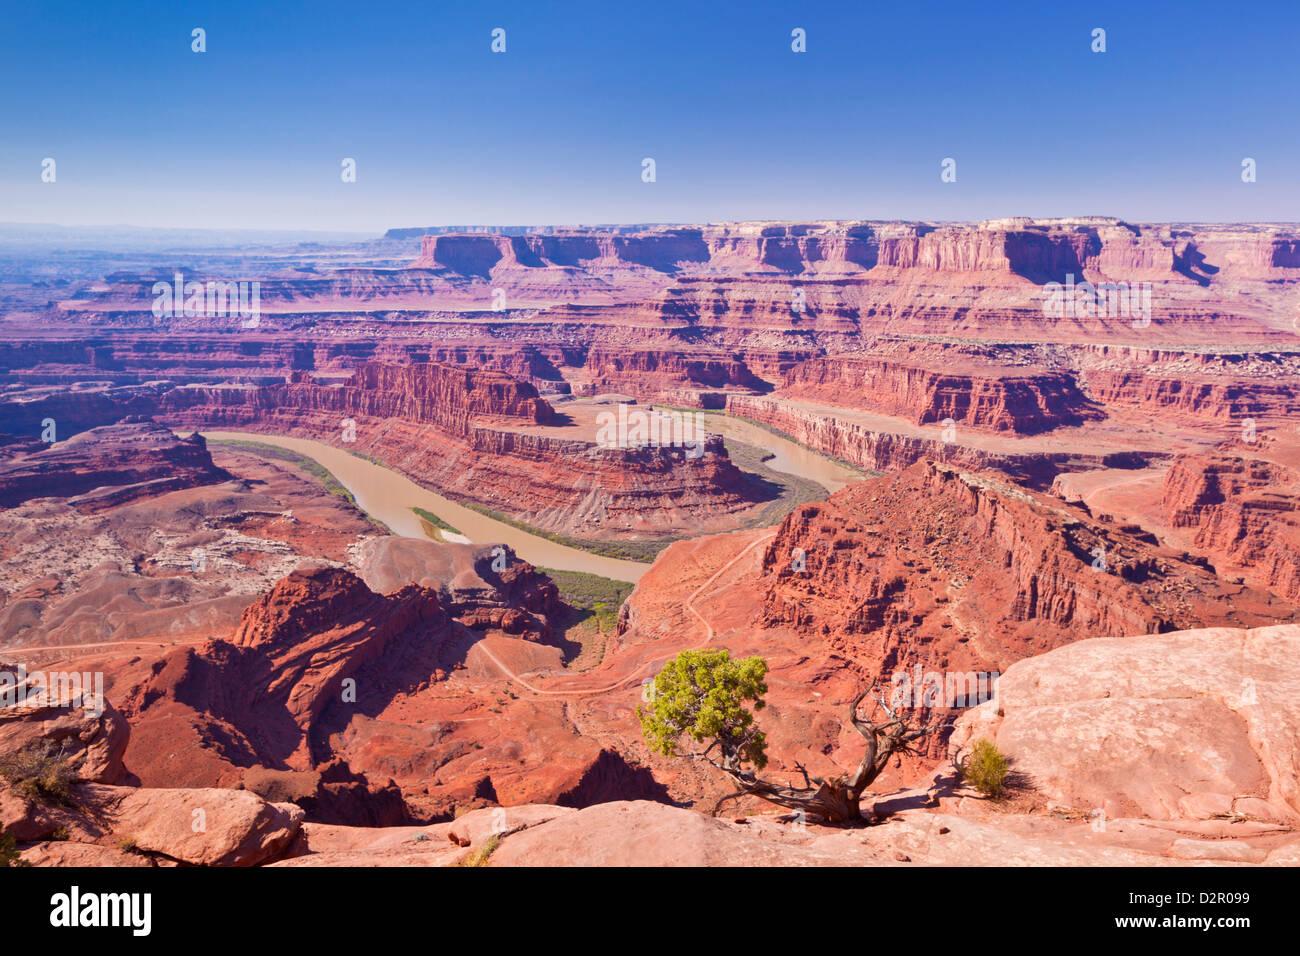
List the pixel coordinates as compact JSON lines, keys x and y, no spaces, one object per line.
{"x":788,"y":456}
{"x":389,"y":496}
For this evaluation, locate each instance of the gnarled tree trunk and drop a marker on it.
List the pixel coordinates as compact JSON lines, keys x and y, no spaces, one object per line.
{"x":833,"y":799}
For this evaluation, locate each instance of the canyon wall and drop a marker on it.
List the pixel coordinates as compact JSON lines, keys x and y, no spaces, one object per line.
{"x":1243,"y":510}
{"x":956,"y":571}
{"x":830,"y":279}
{"x":1039,"y":250}
{"x":988,"y":396}
{"x":1214,"y":399}
{"x":138,"y":458}
{"x":469,"y":434}
{"x":879,"y":449}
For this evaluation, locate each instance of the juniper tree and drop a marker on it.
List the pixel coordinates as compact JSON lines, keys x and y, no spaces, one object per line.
{"x":701,"y":697}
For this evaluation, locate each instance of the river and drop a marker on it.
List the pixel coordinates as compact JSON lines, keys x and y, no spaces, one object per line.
{"x":788,"y":456}
{"x":389,"y":496}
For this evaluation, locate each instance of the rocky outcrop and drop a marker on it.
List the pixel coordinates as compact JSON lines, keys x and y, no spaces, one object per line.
{"x":964,"y":833}
{"x":1199,"y":724}
{"x":337,"y":699}
{"x":319,"y":640}
{"x":449,"y":398}
{"x":646,"y":372}
{"x":518,"y":600}
{"x":110,"y":466}
{"x":1231,"y":397}
{"x":882,"y":445}
{"x":26,"y":416}
{"x":475,"y":436}
{"x":1025,"y":401}
{"x":955,"y":572}
{"x":663,"y":250}
{"x":66,"y":713}
{"x":99,"y":825}
{"x":59,"y":755}
{"x":1040,"y":256}
{"x":1243,"y":509}
{"x":203,"y":827}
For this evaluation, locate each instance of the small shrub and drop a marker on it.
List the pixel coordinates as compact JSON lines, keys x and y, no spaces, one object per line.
{"x":39,"y":772}
{"x":9,"y":852}
{"x":59,"y":833}
{"x":126,"y":844}
{"x":480,"y":856}
{"x":986,"y":769}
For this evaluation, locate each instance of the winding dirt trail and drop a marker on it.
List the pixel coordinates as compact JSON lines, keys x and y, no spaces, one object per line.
{"x":709,"y":632}
{"x":77,"y":647}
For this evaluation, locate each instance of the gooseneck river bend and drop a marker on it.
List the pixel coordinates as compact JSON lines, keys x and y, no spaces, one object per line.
{"x":388,"y":496}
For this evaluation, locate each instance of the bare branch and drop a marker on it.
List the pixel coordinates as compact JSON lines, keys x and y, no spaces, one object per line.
{"x":833,"y":799}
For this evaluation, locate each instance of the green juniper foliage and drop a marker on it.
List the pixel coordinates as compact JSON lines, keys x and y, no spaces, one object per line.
{"x":9,"y":852}
{"x":702,"y":694}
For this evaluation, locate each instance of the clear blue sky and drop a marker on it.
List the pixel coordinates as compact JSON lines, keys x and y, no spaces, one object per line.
{"x":252,"y":132}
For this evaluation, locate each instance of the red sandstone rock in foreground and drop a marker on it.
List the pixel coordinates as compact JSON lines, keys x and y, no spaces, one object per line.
{"x":258,"y":698}
{"x":61,"y":797}
{"x":85,"y":728}
{"x":205,"y":827}
{"x":150,"y":826}
{"x":383,"y":709}
{"x":1195,"y":725}
{"x":1134,"y":751}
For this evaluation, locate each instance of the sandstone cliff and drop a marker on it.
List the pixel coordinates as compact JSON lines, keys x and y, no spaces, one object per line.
{"x":960,"y":572}
{"x":1025,"y":401}
{"x":884,"y":445}
{"x":1197,"y":725}
{"x":109,"y":466}
{"x":472,"y":434}
{"x":1243,"y":509}
{"x":313,"y":642}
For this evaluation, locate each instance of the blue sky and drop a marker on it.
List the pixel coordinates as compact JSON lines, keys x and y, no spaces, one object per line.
{"x":251,"y":133}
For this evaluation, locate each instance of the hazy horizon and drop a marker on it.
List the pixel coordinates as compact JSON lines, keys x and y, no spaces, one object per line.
{"x":344,"y":234}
